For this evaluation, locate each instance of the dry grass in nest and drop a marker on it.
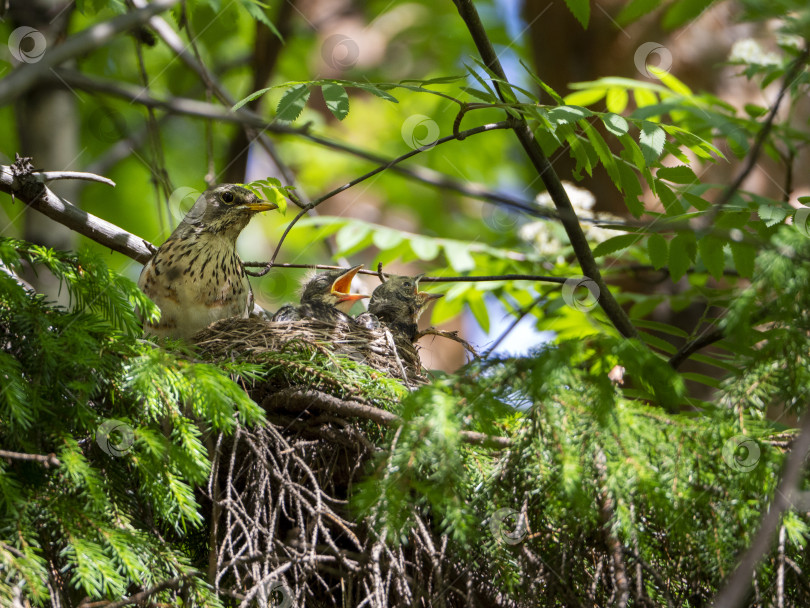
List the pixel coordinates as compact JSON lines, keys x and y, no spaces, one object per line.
{"x":251,"y":337}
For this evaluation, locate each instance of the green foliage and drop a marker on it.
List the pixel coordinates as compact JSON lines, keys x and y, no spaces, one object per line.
{"x":127,"y":423}
{"x":676,"y":486}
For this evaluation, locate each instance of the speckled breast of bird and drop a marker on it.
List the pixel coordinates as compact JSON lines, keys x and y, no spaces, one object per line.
{"x":195,"y":282}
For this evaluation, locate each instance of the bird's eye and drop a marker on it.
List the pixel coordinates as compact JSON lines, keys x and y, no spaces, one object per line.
{"x":227,"y":197}
{"x":408,"y":284}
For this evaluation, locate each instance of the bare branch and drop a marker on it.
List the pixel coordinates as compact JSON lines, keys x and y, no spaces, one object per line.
{"x":301,"y":399}
{"x":47,"y":460}
{"x":36,"y":195}
{"x":49,"y":176}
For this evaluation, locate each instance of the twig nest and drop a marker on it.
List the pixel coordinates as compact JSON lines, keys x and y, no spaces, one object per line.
{"x":249,"y":338}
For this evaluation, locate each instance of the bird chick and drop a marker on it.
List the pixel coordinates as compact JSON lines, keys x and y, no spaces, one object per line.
{"x":196,"y":277}
{"x":397,"y":304}
{"x":326,"y":297}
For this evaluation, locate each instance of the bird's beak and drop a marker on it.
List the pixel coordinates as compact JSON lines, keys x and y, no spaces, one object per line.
{"x":259,"y":205}
{"x":343,"y":284}
{"x":424,"y":296}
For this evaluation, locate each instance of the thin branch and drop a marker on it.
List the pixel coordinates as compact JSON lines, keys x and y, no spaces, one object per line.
{"x":691,"y":347}
{"x":559,"y":196}
{"x":521,"y":315}
{"x":200,"y":109}
{"x":753,"y":154}
{"x":47,"y":460}
{"x":36,"y":195}
{"x":737,"y":585}
{"x":26,"y":75}
{"x":425,"y":279}
{"x":474,"y":131}
{"x":173,"y":583}
{"x":301,"y":399}
{"x":49,"y":176}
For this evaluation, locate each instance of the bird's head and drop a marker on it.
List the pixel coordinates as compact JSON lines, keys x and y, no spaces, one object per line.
{"x":332,"y":288}
{"x":399,"y":299}
{"x":225,"y":209}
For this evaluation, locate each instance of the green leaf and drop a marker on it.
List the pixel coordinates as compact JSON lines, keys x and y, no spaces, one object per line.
{"x":771,"y":213}
{"x":249,"y":98}
{"x":351,"y":236}
{"x":677,"y":175}
{"x":459,"y":256}
{"x":631,"y":189}
{"x":337,"y":101}
{"x":635,"y":9}
{"x":603,"y":152}
{"x":681,"y":255}
{"x":615,"y":124}
{"x":478,"y":307}
{"x":711,"y":252}
{"x":682,"y":11}
{"x":581,"y":9}
{"x":482,"y":95}
{"x":425,"y":248}
{"x":644,"y":97}
{"x":651,"y":139}
{"x":616,"y":243}
{"x":387,"y":238}
{"x":744,"y":258}
{"x":616,"y":100}
{"x":292,"y":103}
{"x":658,"y":250}
{"x":257,"y":11}
{"x":370,"y":88}
{"x":585,"y":97}
{"x":567,"y":114}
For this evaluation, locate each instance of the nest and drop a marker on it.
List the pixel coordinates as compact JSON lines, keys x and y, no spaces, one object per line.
{"x":281,"y":531}
{"x":250,"y":338}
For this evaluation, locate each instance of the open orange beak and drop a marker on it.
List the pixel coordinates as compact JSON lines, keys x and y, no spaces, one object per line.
{"x":343,"y":284}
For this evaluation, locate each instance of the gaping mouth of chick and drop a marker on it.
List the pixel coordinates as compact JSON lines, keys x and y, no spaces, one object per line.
{"x":343,"y":284}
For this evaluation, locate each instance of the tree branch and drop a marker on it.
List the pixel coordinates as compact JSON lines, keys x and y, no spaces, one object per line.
{"x":28,"y":188}
{"x":203,"y":110}
{"x":25,"y":76}
{"x":48,"y":460}
{"x":568,"y":216}
{"x":299,"y":399}
{"x":737,"y":585}
{"x":753,"y":154}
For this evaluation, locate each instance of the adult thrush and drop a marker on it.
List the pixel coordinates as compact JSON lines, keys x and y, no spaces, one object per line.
{"x":196,"y":277}
{"x":397,"y":304}
{"x":326,"y":297}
